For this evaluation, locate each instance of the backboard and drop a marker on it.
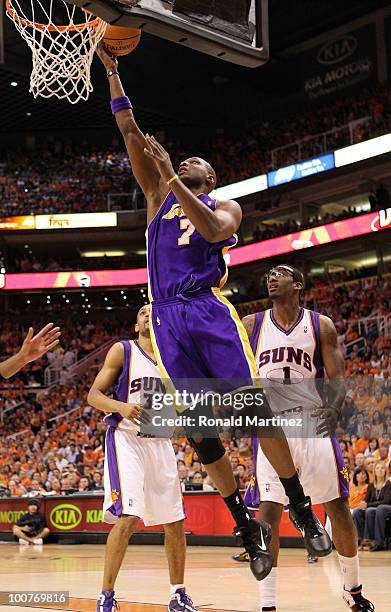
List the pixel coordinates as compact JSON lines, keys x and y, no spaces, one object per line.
{"x":233,"y":30}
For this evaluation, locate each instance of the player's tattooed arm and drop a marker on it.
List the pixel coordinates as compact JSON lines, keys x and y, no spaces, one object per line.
{"x":144,"y":169}
{"x":213,"y":225}
{"x":32,"y":348}
{"x":334,"y":364}
{"x":105,"y":379}
{"x":248,"y":322}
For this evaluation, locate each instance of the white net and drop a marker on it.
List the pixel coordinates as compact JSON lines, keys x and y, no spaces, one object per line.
{"x":62,"y":40}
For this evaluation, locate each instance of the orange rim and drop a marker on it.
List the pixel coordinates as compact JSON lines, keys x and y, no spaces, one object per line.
{"x":52,"y":28}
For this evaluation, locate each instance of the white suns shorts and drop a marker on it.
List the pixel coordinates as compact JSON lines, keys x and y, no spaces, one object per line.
{"x":141,"y":479}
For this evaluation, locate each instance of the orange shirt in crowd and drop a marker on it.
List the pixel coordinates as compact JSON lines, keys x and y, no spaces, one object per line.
{"x":357,"y":495}
{"x":188,"y":458}
{"x":361,"y":445}
{"x":97,"y":455}
{"x":62,"y":428}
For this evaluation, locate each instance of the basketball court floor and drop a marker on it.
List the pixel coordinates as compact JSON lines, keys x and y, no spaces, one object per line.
{"x":214,"y":581}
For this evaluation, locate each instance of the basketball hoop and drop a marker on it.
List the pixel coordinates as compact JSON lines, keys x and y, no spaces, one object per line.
{"x":61,"y":54}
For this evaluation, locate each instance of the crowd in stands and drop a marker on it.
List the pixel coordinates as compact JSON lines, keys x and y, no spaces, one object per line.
{"x":53,"y":443}
{"x":66,"y":178}
{"x":78,"y":339}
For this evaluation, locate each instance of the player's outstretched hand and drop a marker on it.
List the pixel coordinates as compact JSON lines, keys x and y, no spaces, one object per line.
{"x":328,"y":421}
{"x":36,"y":346}
{"x":110,"y":63}
{"x":158,"y":153}
{"x":134,"y":413}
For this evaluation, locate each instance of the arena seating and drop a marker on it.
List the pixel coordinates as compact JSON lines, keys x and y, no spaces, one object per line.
{"x":66,"y":178}
{"x":55,"y":436}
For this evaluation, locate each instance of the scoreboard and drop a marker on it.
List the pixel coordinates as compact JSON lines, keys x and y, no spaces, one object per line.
{"x":233,"y":30}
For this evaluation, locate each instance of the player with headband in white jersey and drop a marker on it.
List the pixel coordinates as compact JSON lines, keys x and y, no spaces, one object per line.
{"x":294,"y":349}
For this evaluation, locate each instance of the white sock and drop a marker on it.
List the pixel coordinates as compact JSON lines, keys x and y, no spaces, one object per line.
{"x":268,"y":590}
{"x":174,"y":587}
{"x":350,"y":569}
{"x":329,"y":528}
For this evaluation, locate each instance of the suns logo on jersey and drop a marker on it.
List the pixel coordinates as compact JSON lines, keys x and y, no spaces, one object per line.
{"x":286,"y":354}
{"x":345,"y":473}
{"x":114,"y":495}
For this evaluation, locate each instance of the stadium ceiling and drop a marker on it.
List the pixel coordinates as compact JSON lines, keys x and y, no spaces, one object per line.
{"x":171,"y":88}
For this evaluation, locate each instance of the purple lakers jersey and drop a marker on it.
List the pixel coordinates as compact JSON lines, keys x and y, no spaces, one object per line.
{"x":180,"y":260}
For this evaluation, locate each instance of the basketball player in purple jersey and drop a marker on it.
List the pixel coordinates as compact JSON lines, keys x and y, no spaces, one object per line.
{"x":141,"y":477}
{"x":196,"y":332}
{"x":33,"y":348}
{"x":294,"y":348}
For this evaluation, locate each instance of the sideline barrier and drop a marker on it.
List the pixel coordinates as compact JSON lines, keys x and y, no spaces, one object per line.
{"x":206,"y":515}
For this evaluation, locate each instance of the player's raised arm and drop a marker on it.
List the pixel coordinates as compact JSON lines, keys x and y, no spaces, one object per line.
{"x":143,"y":167}
{"x":213,"y":225}
{"x":32,"y":348}
{"x":105,"y":379}
{"x":334,"y":364}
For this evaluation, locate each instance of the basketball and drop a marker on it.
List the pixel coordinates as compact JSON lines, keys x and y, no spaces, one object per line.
{"x":121,"y":41}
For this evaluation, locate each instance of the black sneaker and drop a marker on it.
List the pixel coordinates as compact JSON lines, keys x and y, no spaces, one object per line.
{"x":256,"y":539}
{"x":241,"y":557}
{"x":316,"y":539}
{"x":355,"y":600}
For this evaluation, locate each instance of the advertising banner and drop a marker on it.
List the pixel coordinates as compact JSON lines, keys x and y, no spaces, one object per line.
{"x":206,"y":514}
{"x":26,"y":222}
{"x":72,"y":280}
{"x":76,"y":221}
{"x":301,"y":170}
{"x":315,"y":236}
{"x":54,"y":222}
{"x":338,"y":66}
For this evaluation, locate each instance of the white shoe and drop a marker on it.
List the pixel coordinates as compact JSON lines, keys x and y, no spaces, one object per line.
{"x":23,"y":542}
{"x":38,"y":541}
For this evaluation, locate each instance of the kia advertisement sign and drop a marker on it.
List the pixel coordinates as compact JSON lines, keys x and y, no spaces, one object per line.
{"x":341,"y":64}
{"x":206,"y":514}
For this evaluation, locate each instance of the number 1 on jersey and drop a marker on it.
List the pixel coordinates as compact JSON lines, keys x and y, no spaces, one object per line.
{"x":189,"y":229}
{"x":287,"y":375}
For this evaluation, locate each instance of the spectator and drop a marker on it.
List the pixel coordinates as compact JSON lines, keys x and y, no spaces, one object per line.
{"x":363,"y":441}
{"x":364,"y":515}
{"x":372,"y":448}
{"x":55,"y":486}
{"x":369,"y":465}
{"x":198,"y":479}
{"x":182,"y":473}
{"x":384,"y":455}
{"x":84,"y":484}
{"x":31,"y":528}
{"x":97,"y":483}
{"x":358,"y":488}
{"x":359,"y":459}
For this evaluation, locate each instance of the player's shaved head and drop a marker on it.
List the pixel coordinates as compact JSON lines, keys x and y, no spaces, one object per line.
{"x":196,"y":172}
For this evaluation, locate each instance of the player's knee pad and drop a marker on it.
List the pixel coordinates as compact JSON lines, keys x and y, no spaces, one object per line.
{"x":208,"y":450}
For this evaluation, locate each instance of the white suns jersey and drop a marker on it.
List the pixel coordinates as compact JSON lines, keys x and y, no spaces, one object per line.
{"x":139,"y":378}
{"x":289,"y":362}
